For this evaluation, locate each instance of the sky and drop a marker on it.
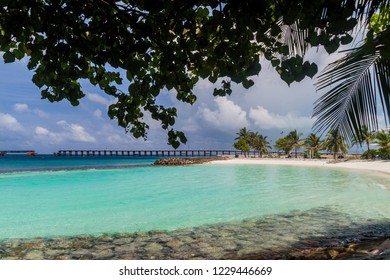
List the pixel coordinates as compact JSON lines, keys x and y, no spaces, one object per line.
{"x":270,"y":107}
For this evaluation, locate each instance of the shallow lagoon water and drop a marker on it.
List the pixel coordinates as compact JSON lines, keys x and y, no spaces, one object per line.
{"x":150,"y":198}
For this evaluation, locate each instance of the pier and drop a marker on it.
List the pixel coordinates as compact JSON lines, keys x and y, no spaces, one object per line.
{"x":154,"y":153}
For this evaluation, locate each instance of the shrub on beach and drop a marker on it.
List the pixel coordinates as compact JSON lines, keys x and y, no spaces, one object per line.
{"x":317,"y":156}
{"x":369,"y":154}
{"x":384,"y":153}
{"x":381,"y":153}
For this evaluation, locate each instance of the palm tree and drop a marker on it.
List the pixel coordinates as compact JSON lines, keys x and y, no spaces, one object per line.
{"x":295,"y":141}
{"x":251,"y":138}
{"x":383,"y":140}
{"x":283,"y":144}
{"x":313,"y":143}
{"x":241,"y":145}
{"x":244,"y":134}
{"x":365,"y":136}
{"x":261,"y":144}
{"x":335,"y":143}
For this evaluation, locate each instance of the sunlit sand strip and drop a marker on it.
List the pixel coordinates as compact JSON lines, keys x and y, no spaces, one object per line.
{"x":382,"y":166}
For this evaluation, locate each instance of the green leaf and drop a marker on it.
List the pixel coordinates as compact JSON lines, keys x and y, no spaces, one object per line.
{"x":192,"y":99}
{"x":313,"y":69}
{"x":331,"y":46}
{"x":299,"y":76}
{"x":38,"y":80}
{"x":173,"y":136}
{"x":314,"y":40}
{"x":175,"y":144}
{"x":385,"y":53}
{"x":346,"y":39}
{"x":247,"y":83}
{"x":8,"y":57}
{"x":351,"y":23}
{"x":287,"y":77}
{"x":275,"y":30}
{"x":129,"y":75}
{"x":220,"y":50}
{"x":18,"y":54}
{"x":275,"y":62}
{"x":219,"y":92}
{"x":268,"y":55}
{"x":213,"y":78}
{"x":284,"y":50}
{"x":204,"y":72}
{"x":254,"y":68}
{"x":182,"y":137}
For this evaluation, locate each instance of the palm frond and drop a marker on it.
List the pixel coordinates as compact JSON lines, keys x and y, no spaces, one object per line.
{"x":295,"y":38}
{"x":358,"y":79}
{"x":382,"y":70}
{"x":359,"y":82}
{"x":366,"y":8}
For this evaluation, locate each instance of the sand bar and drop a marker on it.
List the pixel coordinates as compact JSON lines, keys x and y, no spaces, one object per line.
{"x":380,"y":166}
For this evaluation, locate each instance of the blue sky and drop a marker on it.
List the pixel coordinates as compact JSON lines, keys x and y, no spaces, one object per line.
{"x":269,"y":107}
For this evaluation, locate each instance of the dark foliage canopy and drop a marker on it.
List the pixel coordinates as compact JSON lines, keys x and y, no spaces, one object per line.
{"x":156,"y":45}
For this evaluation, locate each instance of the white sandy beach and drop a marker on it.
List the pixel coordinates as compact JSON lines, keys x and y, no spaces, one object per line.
{"x":381,"y":166}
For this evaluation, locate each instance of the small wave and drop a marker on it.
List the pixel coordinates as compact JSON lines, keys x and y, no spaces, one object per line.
{"x":382,"y":187}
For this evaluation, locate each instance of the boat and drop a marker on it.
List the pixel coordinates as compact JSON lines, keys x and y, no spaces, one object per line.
{"x":32,"y":153}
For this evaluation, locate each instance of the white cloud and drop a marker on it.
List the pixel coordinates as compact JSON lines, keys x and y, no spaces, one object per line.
{"x":190,"y":125}
{"x":41,"y":131}
{"x":20,"y":108}
{"x":227,"y":116}
{"x":41,"y":113}
{"x":8,"y":122}
{"x":98,"y":113}
{"x":23,"y":108}
{"x":99,"y":99}
{"x":115,"y":139}
{"x":113,"y":136}
{"x":71,"y":132}
{"x":48,"y":136}
{"x":76,"y":132}
{"x":264,"y":119}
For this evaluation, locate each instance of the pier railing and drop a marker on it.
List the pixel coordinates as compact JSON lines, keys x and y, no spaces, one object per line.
{"x":179,"y":153}
{"x":155,"y":153}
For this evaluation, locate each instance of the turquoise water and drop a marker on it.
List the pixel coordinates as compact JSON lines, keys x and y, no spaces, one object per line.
{"x":67,"y":201}
{"x":16,"y":163}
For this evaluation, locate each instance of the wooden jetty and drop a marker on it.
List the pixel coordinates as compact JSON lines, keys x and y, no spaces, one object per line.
{"x":153,"y":153}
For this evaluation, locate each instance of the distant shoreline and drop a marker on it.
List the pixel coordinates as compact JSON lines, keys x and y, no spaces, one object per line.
{"x":380,"y":166}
